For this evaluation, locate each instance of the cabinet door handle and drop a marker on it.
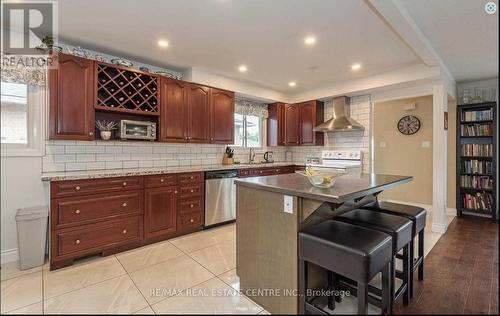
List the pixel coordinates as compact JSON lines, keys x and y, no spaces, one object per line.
{"x":162,"y":180}
{"x":77,"y":211}
{"x":192,"y":190}
{"x":191,"y":220}
{"x":77,"y":241}
{"x":124,"y":184}
{"x":191,"y":206}
{"x":91,"y":133}
{"x":191,"y":177}
{"x":211,"y":138}
{"x":124,"y":231}
{"x":175,"y":192}
{"x":124,"y":204}
{"x":77,"y":188}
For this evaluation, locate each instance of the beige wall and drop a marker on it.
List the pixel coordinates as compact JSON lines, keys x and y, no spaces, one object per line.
{"x":452,"y":157}
{"x":402,"y":154}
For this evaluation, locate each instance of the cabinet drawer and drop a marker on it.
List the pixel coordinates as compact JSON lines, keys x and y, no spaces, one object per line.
{"x":192,"y":190}
{"x":191,"y":205}
{"x":93,"y":186}
{"x":243,"y":173}
{"x":161,"y":180}
{"x":190,"y":220}
{"x":191,"y":177}
{"x":263,"y":172}
{"x":81,"y":210}
{"x":96,"y":237}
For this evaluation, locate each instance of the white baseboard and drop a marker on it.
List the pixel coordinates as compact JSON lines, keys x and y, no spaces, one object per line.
{"x":439,"y":228}
{"x":10,"y":255}
{"x":451,"y":211}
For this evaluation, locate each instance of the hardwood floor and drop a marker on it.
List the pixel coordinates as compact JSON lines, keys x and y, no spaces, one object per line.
{"x":461,"y":272}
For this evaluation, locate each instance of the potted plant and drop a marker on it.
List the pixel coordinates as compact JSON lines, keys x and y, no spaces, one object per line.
{"x":105,"y":128}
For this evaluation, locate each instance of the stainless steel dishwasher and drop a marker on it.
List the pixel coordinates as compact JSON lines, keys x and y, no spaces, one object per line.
{"x":220,"y":197}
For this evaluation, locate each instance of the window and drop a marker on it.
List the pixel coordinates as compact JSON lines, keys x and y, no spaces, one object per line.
{"x":14,"y":113}
{"x":22,"y":110}
{"x":247,"y":131}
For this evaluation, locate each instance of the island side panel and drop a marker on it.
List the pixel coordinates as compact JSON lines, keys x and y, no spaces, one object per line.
{"x":266,"y":247}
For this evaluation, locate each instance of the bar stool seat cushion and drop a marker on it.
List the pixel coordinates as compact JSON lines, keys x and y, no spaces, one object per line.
{"x":398,"y":227}
{"x":352,"y":251}
{"x":415,"y":213}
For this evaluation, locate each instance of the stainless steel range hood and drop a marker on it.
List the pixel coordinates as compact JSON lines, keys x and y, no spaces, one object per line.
{"x":341,"y":121}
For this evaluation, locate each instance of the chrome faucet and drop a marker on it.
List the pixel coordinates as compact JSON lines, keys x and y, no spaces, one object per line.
{"x":251,"y":157}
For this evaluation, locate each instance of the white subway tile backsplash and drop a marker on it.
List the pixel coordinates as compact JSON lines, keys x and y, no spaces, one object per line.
{"x":114,"y":165}
{"x":53,"y":167}
{"x":96,"y":165}
{"x":76,"y":166}
{"x":64,"y":158}
{"x":131,"y":164}
{"x":75,"y":149}
{"x":145,"y":164}
{"x":85,"y":157}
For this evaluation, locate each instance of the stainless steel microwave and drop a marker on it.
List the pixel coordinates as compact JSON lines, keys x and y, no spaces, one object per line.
{"x":129,"y":129}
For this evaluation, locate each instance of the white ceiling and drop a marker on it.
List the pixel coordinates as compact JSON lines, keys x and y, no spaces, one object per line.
{"x":462,"y":33}
{"x":267,"y":36}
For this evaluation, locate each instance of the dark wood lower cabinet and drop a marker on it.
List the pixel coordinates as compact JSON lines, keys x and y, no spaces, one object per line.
{"x":160,"y":217}
{"x":105,"y":216}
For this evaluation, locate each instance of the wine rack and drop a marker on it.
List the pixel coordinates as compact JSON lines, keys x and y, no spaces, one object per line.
{"x":120,"y":89}
{"x":477,"y":160}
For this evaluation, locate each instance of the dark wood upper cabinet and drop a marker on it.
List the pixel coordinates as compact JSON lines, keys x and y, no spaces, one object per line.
{"x":198,"y":98}
{"x":311,"y":115}
{"x":221,"y":116}
{"x":292,"y":131}
{"x":71,"y":99}
{"x":275,"y":125}
{"x":173,"y":110}
{"x":160,"y":217}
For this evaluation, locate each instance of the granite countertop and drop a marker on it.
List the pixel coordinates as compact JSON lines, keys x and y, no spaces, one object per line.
{"x":346,"y":188}
{"x":77,"y":175}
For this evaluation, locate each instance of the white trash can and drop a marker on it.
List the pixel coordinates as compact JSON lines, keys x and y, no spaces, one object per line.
{"x":32,"y":236}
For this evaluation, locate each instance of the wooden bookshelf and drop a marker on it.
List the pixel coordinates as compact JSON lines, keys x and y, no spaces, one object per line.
{"x":477,"y":135}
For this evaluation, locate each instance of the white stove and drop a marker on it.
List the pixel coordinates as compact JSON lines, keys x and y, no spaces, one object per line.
{"x":342,"y":160}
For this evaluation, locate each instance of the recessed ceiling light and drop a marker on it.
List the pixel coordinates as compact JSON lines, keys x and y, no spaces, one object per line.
{"x":292,"y":83}
{"x":163,"y":43}
{"x":242,"y":68}
{"x":356,"y":66}
{"x":310,"y":40}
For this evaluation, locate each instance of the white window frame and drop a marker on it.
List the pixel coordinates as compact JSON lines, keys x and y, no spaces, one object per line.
{"x":36,"y":110}
{"x":261,"y":128}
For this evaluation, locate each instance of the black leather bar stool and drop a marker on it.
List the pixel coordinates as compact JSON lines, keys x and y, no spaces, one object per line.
{"x":351,"y":251}
{"x":399,"y":228}
{"x":418,"y":217}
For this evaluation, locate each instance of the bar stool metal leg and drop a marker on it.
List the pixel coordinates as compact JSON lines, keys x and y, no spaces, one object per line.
{"x":362,"y":298}
{"x":412,"y":260}
{"x":303,"y":274}
{"x":331,"y":287}
{"x":421,"y":254}
{"x":406,"y":274}
{"x":386,"y":290}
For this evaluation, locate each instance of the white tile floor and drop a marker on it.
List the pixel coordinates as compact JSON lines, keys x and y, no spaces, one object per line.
{"x":190,"y":274}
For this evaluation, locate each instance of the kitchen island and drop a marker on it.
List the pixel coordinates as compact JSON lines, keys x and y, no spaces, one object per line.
{"x":267,"y":229}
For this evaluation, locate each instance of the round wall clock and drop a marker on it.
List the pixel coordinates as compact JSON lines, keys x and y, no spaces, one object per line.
{"x":409,"y":125}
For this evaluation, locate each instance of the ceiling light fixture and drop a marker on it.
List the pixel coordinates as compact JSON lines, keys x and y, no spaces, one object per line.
{"x":162,"y":43}
{"x":292,"y":83}
{"x":356,"y":66}
{"x":242,"y":68}
{"x":310,"y":40}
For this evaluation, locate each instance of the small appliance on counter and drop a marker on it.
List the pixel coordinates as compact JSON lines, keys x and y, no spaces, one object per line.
{"x":143,"y":130}
{"x":268,"y":157}
{"x":228,"y":156}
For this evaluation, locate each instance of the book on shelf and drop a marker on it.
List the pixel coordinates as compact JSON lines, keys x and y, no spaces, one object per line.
{"x":480,"y":115}
{"x":476,"y":166}
{"x":476,"y":182}
{"x":477,"y":150}
{"x":480,"y":201}
{"x":476,"y":130}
